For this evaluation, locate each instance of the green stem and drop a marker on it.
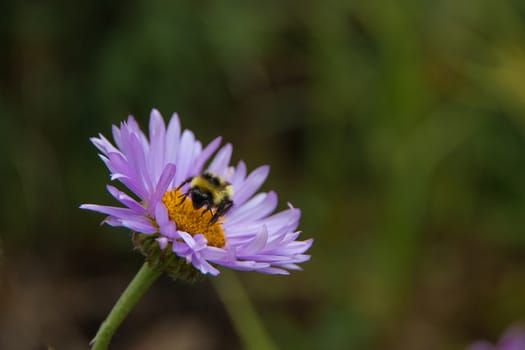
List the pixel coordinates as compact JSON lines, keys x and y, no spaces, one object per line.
{"x":135,"y":290}
{"x":242,"y":312}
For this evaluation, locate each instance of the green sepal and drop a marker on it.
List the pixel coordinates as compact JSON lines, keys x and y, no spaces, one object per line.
{"x":167,"y":261}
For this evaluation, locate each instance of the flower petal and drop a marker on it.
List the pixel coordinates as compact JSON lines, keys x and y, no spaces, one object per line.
{"x":172,"y":139}
{"x":165,"y":179}
{"x":184,"y":156}
{"x":247,"y":188}
{"x":108,"y":210}
{"x":257,"y":243}
{"x":103,"y":145}
{"x":126,"y":200}
{"x":256,"y":208}
{"x":221,"y":160}
{"x":137,"y":224}
{"x":166,"y":226}
{"x":239,"y":174}
{"x":206,"y":153}
{"x":157,"y":133}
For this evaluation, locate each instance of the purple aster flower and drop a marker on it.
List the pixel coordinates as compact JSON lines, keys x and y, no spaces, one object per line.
{"x":513,"y":339}
{"x":249,"y":236}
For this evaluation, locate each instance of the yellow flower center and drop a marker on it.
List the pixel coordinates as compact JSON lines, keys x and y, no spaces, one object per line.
{"x":180,"y":210}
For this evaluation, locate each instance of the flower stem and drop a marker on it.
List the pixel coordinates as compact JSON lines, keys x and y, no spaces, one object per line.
{"x":136,"y":288}
{"x":242,"y":312}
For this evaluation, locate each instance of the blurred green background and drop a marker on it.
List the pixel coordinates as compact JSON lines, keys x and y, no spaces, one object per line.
{"x":398,"y":127}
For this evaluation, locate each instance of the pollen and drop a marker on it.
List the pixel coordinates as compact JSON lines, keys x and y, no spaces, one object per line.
{"x":180,"y":210}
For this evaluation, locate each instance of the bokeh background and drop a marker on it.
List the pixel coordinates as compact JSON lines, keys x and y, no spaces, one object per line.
{"x":398,"y":127}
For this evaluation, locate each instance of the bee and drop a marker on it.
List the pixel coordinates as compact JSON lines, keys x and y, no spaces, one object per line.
{"x":211,"y":191}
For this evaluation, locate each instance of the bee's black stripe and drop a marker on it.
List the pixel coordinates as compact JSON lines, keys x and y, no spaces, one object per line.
{"x":215,"y":181}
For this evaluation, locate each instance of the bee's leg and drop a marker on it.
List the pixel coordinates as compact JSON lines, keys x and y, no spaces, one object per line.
{"x":224,"y":207}
{"x":208,"y":209}
{"x":184,"y":182}
{"x":214,"y":218}
{"x":182,"y":200}
{"x":184,"y":195}
{"x":221,"y":210}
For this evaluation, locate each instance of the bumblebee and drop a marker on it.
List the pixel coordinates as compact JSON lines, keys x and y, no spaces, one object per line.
{"x":211,"y":191}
